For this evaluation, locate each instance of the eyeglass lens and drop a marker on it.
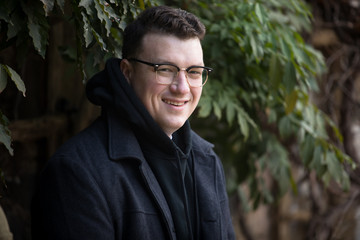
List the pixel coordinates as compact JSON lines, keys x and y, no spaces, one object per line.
{"x":196,"y":76}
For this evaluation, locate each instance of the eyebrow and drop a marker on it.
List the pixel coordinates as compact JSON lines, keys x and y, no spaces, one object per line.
{"x":172,"y":63}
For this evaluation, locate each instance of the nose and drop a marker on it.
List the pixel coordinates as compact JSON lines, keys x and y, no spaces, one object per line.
{"x":180,"y":83}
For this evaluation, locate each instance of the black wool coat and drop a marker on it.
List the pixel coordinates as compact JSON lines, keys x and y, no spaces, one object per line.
{"x":99,"y":186}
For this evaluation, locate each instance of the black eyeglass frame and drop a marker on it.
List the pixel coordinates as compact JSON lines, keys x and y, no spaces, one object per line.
{"x":157,"y":65}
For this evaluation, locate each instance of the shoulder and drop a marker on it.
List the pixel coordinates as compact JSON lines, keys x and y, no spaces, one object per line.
{"x":83,"y":159}
{"x":83,"y":149}
{"x":200,"y":144}
{"x":90,"y":139}
{"x":204,"y":152}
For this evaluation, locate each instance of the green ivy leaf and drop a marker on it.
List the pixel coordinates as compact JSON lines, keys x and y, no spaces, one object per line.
{"x":103,"y":16}
{"x":15,"y":25}
{"x":88,"y":36}
{"x":112,"y":17}
{"x":205,"y":107}
{"x":38,"y":28}
{"x":259,"y":13}
{"x":290,"y":102}
{"x":3,"y":78}
{"x":345,"y":182}
{"x":15,"y":78}
{"x":307,"y":150}
{"x":335,"y":129}
{"x":5,"y":133}
{"x":99,"y":40}
{"x":317,"y":162}
{"x":289,"y":78}
{"x":48,"y":6}
{"x":244,"y":126}
{"x":334,"y":167}
{"x":34,"y":31}
{"x":275,"y":72}
{"x":7,"y":7}
{"x":285,"y":127}
{"x":87,"y":5}
{"x":61,"y":4}
{"x":141,"y":4}
{"x":230,"y":112}
{"x":217,"y":110}
{"x":284,"y":48}
{"x":254,"y":47}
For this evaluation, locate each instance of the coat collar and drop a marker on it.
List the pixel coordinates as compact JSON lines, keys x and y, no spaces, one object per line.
{"x":127,"y":146}
{"x":122,"y":142}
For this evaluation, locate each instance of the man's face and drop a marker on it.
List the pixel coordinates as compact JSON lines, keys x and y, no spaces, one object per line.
{"x":169,"y":105}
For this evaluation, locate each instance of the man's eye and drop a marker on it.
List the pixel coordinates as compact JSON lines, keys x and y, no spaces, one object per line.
{"x":195,"y":72}
{"x":165,"y":69}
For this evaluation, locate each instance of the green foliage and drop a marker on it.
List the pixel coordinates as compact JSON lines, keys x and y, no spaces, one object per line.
{"x":5,"y":133}
{"x":6,"y":71}
{"x":22,"y":23}
{"x":264,"y":72}
{"x":98,"y":26}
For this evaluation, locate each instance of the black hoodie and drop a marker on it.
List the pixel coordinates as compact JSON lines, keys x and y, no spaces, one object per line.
{"x":170,"y":160}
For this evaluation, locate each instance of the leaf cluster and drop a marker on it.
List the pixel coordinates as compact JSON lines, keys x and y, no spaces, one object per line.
{"x":264,"y":73}
{"x":98,"y":25}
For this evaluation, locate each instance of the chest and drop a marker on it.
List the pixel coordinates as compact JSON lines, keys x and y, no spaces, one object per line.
{"x":140,"y":209}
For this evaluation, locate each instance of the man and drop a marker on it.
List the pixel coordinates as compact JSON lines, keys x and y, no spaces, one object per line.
{"x":139,"y":171}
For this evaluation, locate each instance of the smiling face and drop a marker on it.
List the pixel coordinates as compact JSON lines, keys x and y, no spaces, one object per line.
{"x":169,"y":105}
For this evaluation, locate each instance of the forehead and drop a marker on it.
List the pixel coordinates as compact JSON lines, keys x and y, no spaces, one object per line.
{"x":164,"y":47}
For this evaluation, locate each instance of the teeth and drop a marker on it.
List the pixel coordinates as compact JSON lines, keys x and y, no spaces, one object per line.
{"x":174,"y":103}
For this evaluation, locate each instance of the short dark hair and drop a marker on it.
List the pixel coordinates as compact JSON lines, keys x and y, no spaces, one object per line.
{"x":161,"y":19}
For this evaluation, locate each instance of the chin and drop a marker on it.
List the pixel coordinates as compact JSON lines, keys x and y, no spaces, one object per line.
{"x":174,"y":127}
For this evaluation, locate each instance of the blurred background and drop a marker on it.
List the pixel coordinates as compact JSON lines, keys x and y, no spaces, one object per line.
{"x":282,"y":106}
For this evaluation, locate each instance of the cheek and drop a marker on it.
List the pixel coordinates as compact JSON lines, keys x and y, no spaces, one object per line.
{"x":150,"y":94}
{"x":140,"y":89}
{"x":196,"y":92}
{"x":140,"y":84}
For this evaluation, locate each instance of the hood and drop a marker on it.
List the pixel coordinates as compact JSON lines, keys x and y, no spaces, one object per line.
{"x":110,"y":90}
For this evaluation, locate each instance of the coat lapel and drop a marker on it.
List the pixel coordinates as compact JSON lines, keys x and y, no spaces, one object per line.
{"x":122,"y":144}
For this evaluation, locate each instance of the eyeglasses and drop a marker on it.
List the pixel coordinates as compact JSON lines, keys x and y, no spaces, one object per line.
{"x":166,"y":73}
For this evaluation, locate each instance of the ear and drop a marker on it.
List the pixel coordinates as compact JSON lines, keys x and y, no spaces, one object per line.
{"x":126,"y":68}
